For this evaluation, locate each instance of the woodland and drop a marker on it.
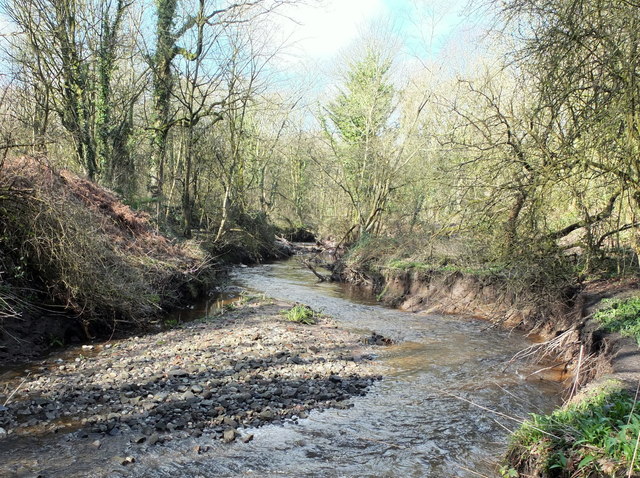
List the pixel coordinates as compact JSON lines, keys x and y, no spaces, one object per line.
{"x":531,"y":149}
{"x":144,"y":144}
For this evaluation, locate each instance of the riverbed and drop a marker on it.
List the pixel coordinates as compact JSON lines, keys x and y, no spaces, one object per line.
{"x":448,"y":397}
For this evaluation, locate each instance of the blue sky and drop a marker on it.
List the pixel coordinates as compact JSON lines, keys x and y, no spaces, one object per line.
{"x":429,"y":31}
{"x":425,"y":27}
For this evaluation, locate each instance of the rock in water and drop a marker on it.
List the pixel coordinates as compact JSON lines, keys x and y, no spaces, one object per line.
{"x":229,"y":435}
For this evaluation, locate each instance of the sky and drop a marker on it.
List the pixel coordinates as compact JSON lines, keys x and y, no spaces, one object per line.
{"x":426,"y":31}
{"x":424,"y":27}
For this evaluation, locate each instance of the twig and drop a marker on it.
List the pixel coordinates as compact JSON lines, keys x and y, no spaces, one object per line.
{"x":544,"y":348}
{"x":574,"y":387}
{"x":635,"y":450}
{"x":635,"y":454}
{"x":472,"y":471}
{"x":316,"y":273}
{"x":635,"y":400}
{"x":542,"y":370}
{"x":495,"y":412}
{"x":16,"y":390}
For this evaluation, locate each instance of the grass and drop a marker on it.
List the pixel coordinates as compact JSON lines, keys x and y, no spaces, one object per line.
{"x":621,"y":315}
{"x":171,"y":323}
{"x":301,"y":314}
{"x":593,"y":436}
{"x":406,"y":265}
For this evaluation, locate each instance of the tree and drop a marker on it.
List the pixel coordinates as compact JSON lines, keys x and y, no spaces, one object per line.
{"x":583,"y":58}
{"x":356,"y":124}
{"x":59,"y":49}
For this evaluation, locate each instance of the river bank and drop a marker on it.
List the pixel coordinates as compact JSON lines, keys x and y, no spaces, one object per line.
{"x":568,"y":325}
{"x":100,"y":408}
{"x":78,"y":264}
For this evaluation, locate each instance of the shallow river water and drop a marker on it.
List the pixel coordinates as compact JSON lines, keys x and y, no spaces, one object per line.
{"x":443,"y":409}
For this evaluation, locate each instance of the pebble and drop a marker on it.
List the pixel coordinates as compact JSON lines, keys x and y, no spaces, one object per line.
{"x":203,"y":379}
{"x":126,"y":460}
{"x":153,"y":439}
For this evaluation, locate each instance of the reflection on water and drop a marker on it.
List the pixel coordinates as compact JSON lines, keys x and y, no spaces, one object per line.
{"x":444,"y":409}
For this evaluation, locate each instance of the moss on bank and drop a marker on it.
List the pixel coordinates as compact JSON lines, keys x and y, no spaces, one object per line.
{"x":595,"y":434}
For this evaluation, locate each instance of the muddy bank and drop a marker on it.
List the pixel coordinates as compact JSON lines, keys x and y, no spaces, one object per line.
{"x":77,"y":263}
{"x":244,"y":368}
{"x":565,"y":323}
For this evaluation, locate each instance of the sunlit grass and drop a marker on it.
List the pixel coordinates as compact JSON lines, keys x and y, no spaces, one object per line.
{"x":621,"y":315}
{"x":594,"y":436}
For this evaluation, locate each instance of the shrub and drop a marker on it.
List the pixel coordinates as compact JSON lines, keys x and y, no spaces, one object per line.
{"x":81,"y":248}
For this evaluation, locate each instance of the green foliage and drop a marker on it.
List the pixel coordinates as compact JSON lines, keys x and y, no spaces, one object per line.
{"x":301,"y":314}
{"x":406,"y":265}
{"x":361,"y":112}
{"x":55,"y":341}
{"x":621,"y":315}
{"x":594,"y":436}
{"x":171,"y":323}
{"x":508,"y":472}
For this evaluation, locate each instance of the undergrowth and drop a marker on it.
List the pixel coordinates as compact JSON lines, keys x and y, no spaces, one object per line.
{"x":76,"y":245}
{"x":621,"y":315}
{"x":596,"y":435}
{"x":539,"y":273}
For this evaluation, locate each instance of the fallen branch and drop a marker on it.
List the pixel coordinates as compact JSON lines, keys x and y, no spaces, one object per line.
{"x":315,"y":272}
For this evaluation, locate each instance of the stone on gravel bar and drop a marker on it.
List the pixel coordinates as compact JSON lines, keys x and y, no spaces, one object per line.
{"x":153,"y":439}
{"x":196,"y":389}
{"x":177,"y":372}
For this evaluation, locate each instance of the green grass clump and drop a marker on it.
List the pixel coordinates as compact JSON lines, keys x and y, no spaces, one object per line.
{"x":595,"y":436}
{"x":406,"y":265}
{"x":301,"y":314}
{"x":621,"y":315}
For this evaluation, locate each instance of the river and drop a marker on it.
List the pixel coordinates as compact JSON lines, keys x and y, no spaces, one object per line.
{"x":444,"y":408}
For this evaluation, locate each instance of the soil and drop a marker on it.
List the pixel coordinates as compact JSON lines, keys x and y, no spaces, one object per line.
{"x":33,"y":334}
{"x":246,"y":367}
